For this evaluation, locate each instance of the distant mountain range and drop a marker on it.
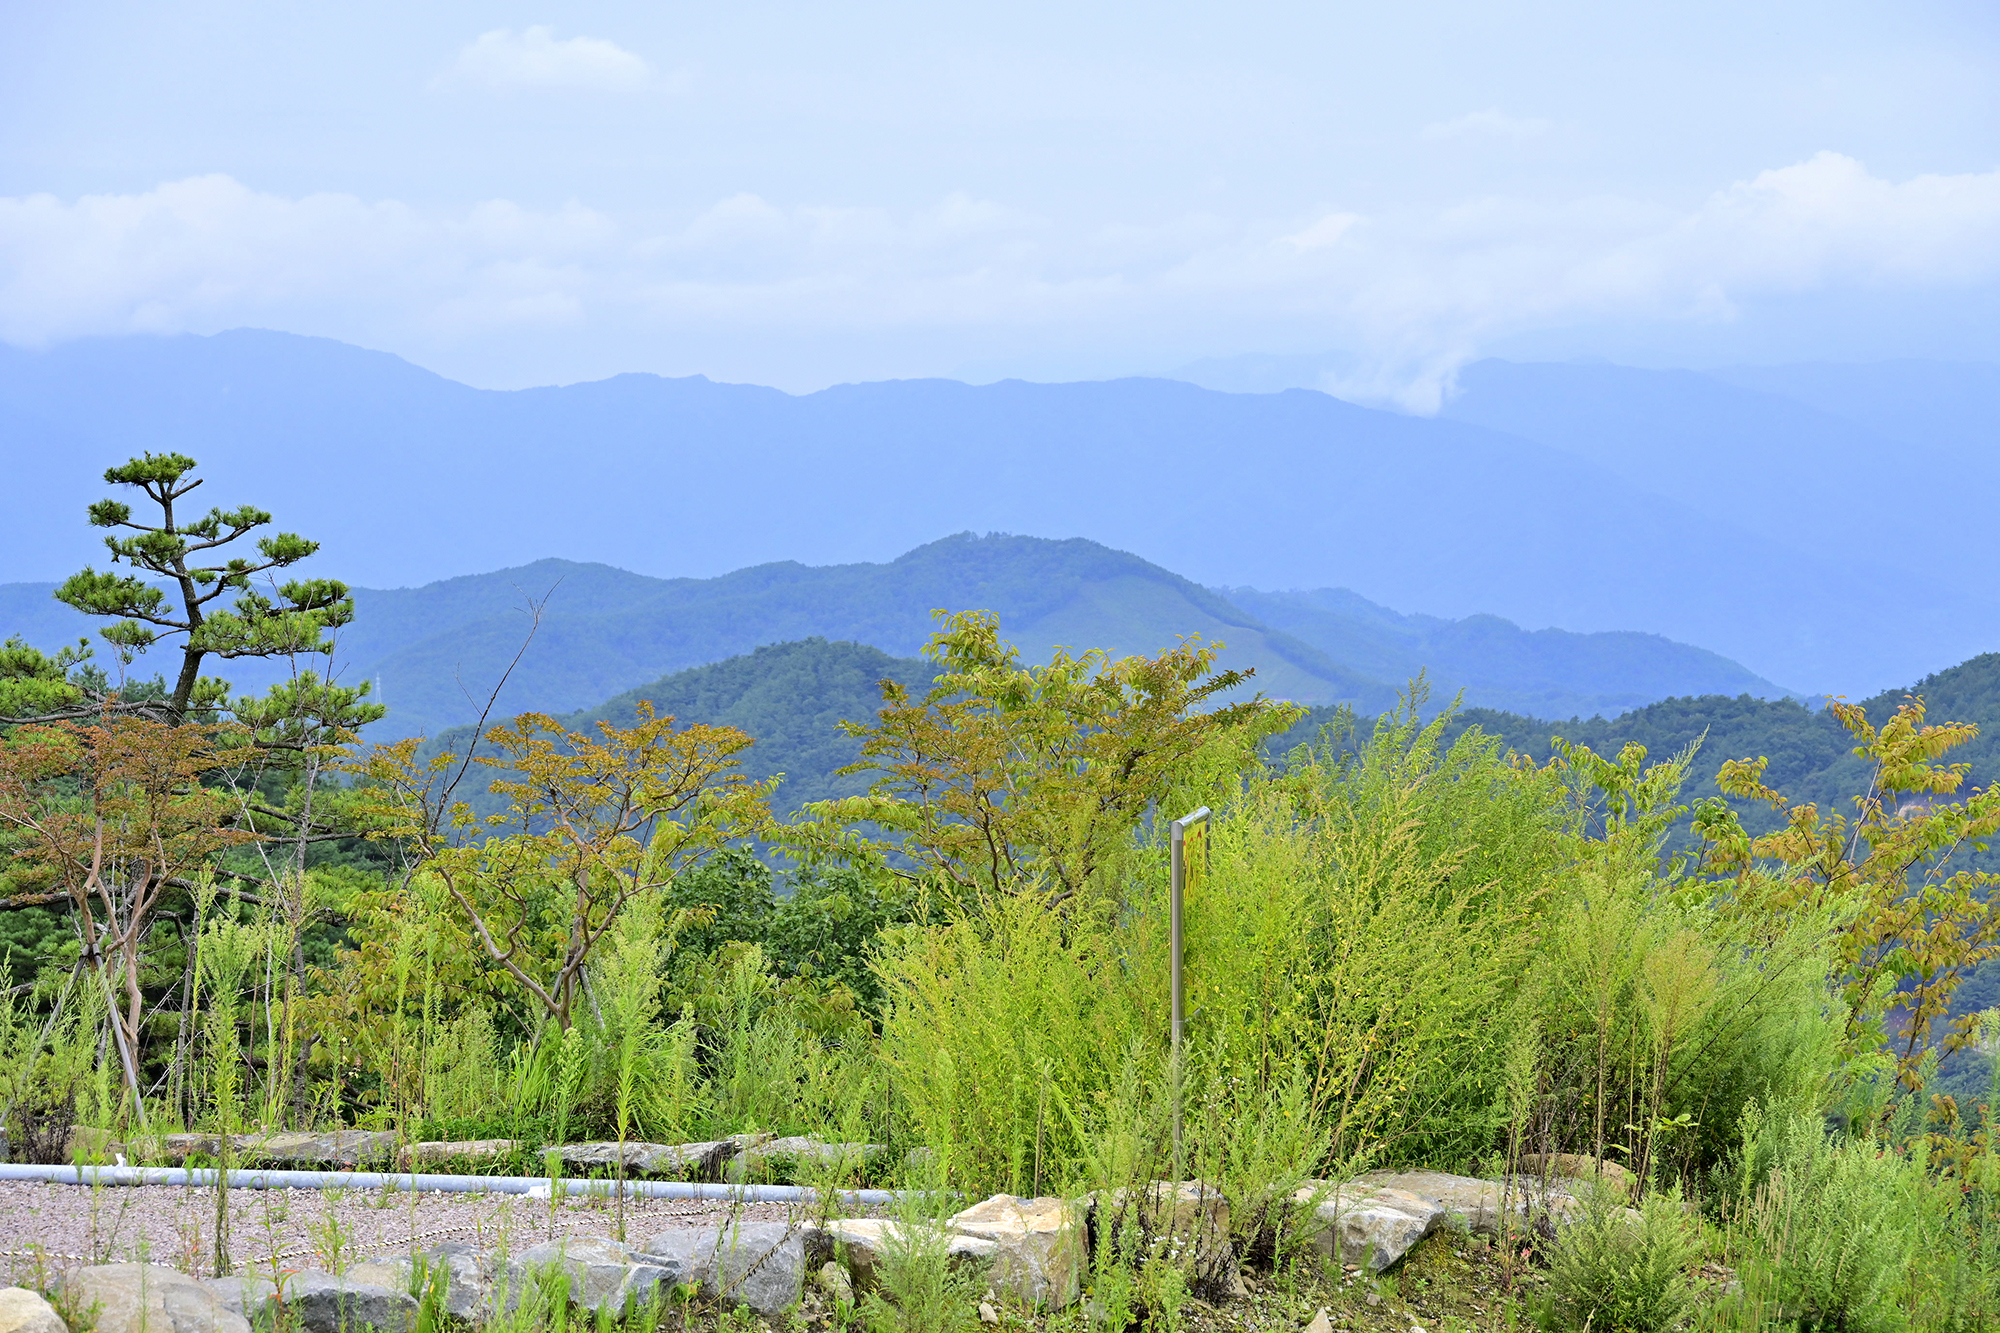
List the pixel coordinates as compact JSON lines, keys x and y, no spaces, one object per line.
{"x":1589,"y":498}
{"x":437,"y":651}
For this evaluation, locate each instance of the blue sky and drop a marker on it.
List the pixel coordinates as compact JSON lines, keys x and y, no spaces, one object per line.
{"x":803,"y":194}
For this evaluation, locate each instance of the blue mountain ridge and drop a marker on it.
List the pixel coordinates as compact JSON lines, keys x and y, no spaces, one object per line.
{"x":409,"y":478}
{"x":436,"y":652}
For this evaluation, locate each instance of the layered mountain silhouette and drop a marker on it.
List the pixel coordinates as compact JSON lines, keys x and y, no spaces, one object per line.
{"x":409,"y":478}
{"x":583,"y":633}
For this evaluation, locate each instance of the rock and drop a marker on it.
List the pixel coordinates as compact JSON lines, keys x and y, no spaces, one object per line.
{"x":762,"y":1265}
{"x":1371,"y":1224}
{"x":866,"y":1242}
{"x":467,"y":1273}
{"x":1474,"y":1203}
{"x":243,"y":1295}
{"x":95,"y":1147}
{"x":988,"y":1315}
{"x":1042,"y":1247}
{"x":1188,"y":1220}
{"x":180,"y":1147}
{"x":1321,"y":1323}
{"x":800,"y":1150}
{"x":461,"y":1150}
{"x":1176,"y":1206}
{"x":834,"y":1280}
{"x":674,"y":1161}
{"x":602,"y":1273}
{"x":339,"y":1149}
{"x":1579,"y":1166}
{"x":149,"y":1298}
{"x":758,"y":1264}
{"x":349,"y":1148}
{"x":24,"y":1311}
{"x":324,"y":1303}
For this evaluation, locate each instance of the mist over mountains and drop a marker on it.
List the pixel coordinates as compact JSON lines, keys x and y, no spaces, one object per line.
{"x":408,"y":478}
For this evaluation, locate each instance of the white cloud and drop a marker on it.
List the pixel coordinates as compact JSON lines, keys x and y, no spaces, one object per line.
{"x":1492,"y":123}
{"x":1323,"y":233}
{"x":534,"y":58}
{"x":1416,"y":292}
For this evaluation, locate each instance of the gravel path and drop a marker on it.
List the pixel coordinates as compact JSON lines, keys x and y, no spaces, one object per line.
{"x":295,"y":1229}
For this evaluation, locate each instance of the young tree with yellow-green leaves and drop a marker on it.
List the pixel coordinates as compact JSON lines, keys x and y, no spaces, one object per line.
{"x":1914,"y":922}
{"x":592,"y":823}
{"x":1003,"y":777}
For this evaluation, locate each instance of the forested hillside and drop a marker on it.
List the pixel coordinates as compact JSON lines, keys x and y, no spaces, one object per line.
{"x":433,"y":653}
{"x":790,"y":698}
{"x":1495,"y":663}
{"x":1811,"y":755}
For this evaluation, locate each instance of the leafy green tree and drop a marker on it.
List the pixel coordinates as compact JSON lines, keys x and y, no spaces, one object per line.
{"x":279,"y":620}
{"x":1004,"y":776}
{"x":36,"y":684}
{"x":1914,"y":924}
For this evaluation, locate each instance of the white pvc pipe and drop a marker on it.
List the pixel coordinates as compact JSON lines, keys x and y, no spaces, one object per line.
{"x":260,"y":1179}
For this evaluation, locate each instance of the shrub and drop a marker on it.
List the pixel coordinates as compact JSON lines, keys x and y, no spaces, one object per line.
{"x":1831,"y":1231}
{"x":1611,"y":1272}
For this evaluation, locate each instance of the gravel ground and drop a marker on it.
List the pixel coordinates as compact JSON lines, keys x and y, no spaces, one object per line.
{"x":295,"y":1229}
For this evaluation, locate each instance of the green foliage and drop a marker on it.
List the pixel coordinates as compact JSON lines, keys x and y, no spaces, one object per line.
{"x":32,"y":938}
{"x":33,"y":683}
{"x":1611,"y":1272}
{"x":826,"y":930}
{"x":921,"y":1290}
{"x":1007,"y":778}
{"x":177,"y":549}
{"x":823,"y":932}
{"x":1002,"y":1035}
{"x":1834,"y":1232}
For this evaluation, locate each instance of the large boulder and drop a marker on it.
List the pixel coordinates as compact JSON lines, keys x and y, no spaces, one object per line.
{"x":149,"y":1298}
{"x":1188,"y":1219}
{"x":1479,"y":1205}
{"x":864,"y":1244}
{"x":762,"y":1265}
{"x":244,"y":1295}
{"x":795,"y":1151}
{"x":418,"y":1156}
{"x":24,"y":1311}
{"x":758,"y":1264}
{"x":603,"y":1275}
{"x":1565,"y":1167}
{"x":324,"y":1303}
{"x":1042,"y":1249}
{"x":467,"y":1273}
{"x":180,"y":1147}
{"x":1473,"y":1203}
{"x":1365,"y":1224}
{"x":350,"y":1149}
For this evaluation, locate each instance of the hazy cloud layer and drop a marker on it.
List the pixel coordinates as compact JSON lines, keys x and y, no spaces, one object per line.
{"x":503,"y":60}
{"x":1420,"y":290}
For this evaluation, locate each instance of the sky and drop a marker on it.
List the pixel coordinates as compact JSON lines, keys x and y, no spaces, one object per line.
{"x":800,"y":195}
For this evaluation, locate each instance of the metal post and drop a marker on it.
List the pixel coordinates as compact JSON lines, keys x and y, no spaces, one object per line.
{"x":1176,"y":895}
{"x":1177,"y":859}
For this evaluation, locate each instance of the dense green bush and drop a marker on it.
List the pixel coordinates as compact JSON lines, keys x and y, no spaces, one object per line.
{"x":1612,"y":1272}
